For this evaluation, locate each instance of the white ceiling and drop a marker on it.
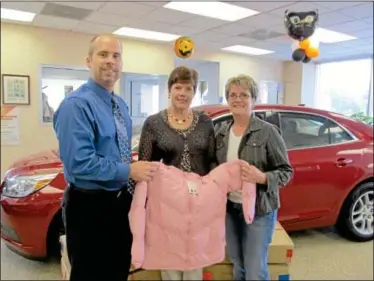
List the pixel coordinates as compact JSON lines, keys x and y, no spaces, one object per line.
{"x":352,"y":18}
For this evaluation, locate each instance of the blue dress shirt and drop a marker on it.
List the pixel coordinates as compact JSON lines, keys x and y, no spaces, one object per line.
{"x":86,"y":133}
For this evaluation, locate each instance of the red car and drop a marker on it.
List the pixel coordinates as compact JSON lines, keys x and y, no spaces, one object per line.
{"x":333,"y":183}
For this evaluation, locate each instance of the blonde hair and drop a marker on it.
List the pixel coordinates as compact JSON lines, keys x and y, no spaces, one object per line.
{"x":245,"y":81}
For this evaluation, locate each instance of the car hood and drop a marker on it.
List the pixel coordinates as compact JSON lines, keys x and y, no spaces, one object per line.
{"x":46,"y":157}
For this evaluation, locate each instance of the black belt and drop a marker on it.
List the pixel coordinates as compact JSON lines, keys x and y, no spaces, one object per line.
{"x":95,"y":191}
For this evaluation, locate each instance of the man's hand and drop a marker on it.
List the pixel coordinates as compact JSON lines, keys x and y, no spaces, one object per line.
{"x":252,"y":174}
{"x":142,"y":170}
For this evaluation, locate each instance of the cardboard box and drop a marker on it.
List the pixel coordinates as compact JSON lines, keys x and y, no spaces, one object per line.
{"x":280,"y":249}
{"x":218,"y":272}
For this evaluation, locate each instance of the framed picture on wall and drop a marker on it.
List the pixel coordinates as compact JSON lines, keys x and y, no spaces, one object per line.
{"x":16,"y":89}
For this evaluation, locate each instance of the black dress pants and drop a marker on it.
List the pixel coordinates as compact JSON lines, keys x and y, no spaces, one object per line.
{"x":98,"y":234}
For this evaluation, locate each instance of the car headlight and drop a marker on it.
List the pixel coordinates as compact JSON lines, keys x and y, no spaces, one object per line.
{"x":22,"y":186}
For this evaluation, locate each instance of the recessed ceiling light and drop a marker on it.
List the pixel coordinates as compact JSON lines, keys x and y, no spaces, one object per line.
{"x":214,"y":9}
{"x":247,"y":50}
{"x":328,"y":36}
{"x":145,"y":34}
{"x":9,"y":14}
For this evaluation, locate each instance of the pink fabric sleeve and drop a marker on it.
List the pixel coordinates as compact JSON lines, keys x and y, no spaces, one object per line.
{"x":137,"y":218}
{"x":248,"y":190}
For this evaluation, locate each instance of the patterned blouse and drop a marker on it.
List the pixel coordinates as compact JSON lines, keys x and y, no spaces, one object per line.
{"x":191,"y":149}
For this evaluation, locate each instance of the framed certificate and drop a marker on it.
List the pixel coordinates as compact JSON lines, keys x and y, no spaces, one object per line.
{"x":16,"y":89}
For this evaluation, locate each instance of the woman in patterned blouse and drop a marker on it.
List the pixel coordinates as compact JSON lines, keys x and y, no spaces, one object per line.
{"x":181,"y":137}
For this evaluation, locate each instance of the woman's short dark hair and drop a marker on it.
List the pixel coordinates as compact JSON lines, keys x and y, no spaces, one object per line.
{"x":183,"y":74}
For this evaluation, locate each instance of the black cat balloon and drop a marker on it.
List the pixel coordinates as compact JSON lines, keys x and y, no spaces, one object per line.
{"x":301,"y":28}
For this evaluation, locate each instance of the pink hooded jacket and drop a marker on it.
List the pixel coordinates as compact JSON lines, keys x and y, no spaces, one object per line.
{"x":178,"y":218}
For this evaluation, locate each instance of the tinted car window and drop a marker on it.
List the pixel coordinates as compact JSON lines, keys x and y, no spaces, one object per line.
{"x":270,"y":117}
{"x":221,"y":121}
{"x":306,"y":130}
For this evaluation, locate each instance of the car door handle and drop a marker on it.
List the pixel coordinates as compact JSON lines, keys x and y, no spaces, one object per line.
{"x":341,"y":162}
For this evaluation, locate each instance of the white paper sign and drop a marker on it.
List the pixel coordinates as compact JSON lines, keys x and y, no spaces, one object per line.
{"x":9,"y":125}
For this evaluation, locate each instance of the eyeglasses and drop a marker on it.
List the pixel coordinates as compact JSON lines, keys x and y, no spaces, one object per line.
{"x":242,"y":96}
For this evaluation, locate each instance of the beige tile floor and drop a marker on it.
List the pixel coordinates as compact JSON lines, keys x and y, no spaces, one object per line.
{"x":319,"y":255}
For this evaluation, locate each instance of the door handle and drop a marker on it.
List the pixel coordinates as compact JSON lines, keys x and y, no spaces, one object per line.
{"x":341,"y":162}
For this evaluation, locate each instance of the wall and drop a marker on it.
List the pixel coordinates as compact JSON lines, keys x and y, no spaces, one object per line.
{"x":24,"y":48}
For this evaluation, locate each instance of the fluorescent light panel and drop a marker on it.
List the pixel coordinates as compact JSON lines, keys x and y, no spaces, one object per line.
{"x":328,"y":36}
{"x":247,"y":50}
{"x":145,"y":34}
{"x":10,"y":14}
{"x":214,"y":9}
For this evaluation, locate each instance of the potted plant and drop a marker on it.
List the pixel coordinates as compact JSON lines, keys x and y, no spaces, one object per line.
{"x":361,"y":116}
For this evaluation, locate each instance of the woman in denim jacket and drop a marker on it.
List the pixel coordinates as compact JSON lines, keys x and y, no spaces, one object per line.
{"x":260,"y":144}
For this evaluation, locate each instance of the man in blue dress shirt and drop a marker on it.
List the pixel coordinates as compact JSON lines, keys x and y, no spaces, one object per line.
{"x":94,"y":131}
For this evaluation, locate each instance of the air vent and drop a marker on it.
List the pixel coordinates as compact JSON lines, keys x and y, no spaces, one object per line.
{"x":62,"y":11}
{"x":262,"y":34}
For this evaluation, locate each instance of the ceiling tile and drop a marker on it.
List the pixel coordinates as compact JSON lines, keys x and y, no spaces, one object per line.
{"x":262,"y":6}
{"x":261,"y":45}
{"x":108,"y":19}
{"x":332,"y":18}
{"x":350,"y":44}
{"x":32,"y":7}
{"x":239,"y":40}
{"x":206,"y":23}
{"x":80,"y":4}
{"x":300,"y":6}
{"x":151,"y":25}
{"x":366,"y":33}
{"x":350,"y":26}
{"x":182,"y":30}
{"x":368,"y":20}
{"x":233,"y":29}
{"x":55,"y":22}
{"x":127,"y":9}
{"x":337,"y":5}
{"x":94,"y":28}
{"x":211,"y":36}
{"x":154,"y":3}
{"x":168,"y":16}
{"x":360,"y":11}
{"x":278,"y":28}
{"x":262,"y":20}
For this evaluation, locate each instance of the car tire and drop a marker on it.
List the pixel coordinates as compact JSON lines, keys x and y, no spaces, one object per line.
{"x":357,"y":209}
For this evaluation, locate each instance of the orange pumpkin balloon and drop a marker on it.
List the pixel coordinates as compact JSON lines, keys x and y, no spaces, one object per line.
{"x":304,"y":44}
{"x":184,"y":47}
{"x":312,"y":52}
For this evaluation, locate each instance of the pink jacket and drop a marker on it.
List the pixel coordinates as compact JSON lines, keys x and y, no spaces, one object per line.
{"x":178,"y":218}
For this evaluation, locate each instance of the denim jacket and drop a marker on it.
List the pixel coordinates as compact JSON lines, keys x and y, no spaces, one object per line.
{"x":263,"y":147}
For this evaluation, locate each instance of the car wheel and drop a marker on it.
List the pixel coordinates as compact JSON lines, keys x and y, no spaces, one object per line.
{"x":356,"y":219}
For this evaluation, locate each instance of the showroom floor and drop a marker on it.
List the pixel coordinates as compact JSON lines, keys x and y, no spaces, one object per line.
{"x":318,"y":255}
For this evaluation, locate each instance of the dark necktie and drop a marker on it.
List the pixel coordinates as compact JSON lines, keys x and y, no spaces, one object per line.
{"x":122,"y":138}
